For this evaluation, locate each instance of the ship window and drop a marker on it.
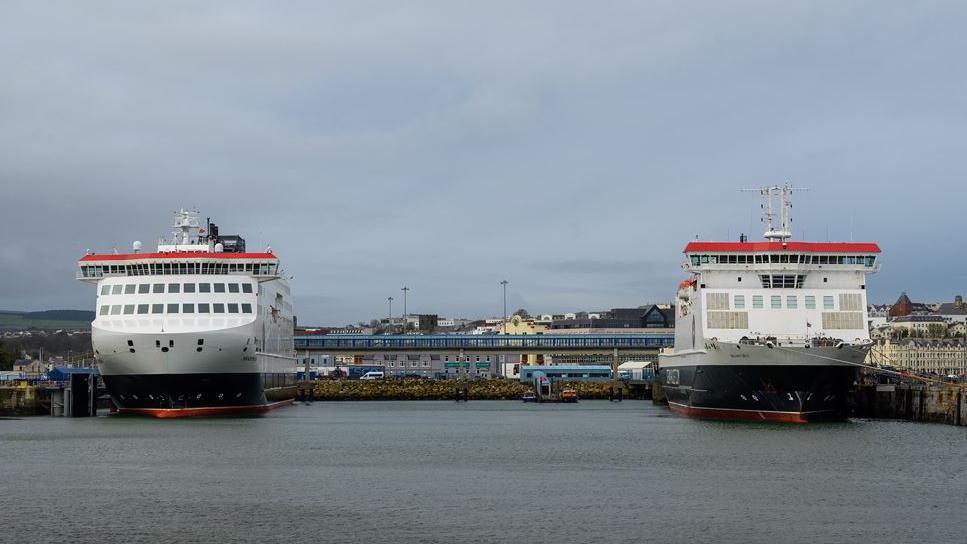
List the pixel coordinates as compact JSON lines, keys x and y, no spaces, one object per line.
{"x":739,"y":302}
{"x":204,"y":288}
{"x":810,"y":302}
{"x":157,"y":308}
{"x":704,"y":259}
{"x":695,"y":260}
{"x":246,"y":308}
{"x":104,"y":310}
{"x":187,"y":308}
{"x":232,"y":287}
{"x":129,"y":289}
{"x":757,"y":302}
{"x":841,"y":259}
{"x":142,"y":308}
{"x":115,"y":289}
{"x":792,"y":302}
{"x":828,"y":302}
{"x":783,"y":258}
{"x":203,"y":308}
{"x":733,"y":259}
{"x":116,"y":310}
{"x":219,"y":287}
{"x":143,"y":288}
{"x":823,"y":259}
{"x":246,"y":287}
{"x":776,"y":302}
{"x":172,"y":308}
{"x":189,"y":288}
{"x":174,"y":287}
{"x":201,"y":341}
{"x":128,"y":309}
{"x":869,"y":261}
{"x":130,"y":343}
{"x":218,"y":308}
{"x":850,"y":260}
{"x":232,"y":308}
{"x":158,"y":288}
{"x":714,"y":259}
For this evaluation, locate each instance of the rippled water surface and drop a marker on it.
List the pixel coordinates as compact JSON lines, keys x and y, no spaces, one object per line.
{"x":479,"y":472}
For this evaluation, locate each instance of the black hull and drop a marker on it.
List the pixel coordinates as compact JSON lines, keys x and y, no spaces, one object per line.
{"x":180,"y":391}
{"x":790,"y":393}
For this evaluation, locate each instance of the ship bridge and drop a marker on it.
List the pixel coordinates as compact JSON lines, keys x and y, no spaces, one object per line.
{"x":94,"y":267}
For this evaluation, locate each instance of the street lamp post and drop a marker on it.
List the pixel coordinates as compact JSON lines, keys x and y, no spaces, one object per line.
{"x":504,"y":322}
{"x":405,"y":290}
{"x":389,"y":317}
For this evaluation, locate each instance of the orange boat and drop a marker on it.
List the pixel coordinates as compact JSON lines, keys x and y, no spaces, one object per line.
{"x":569,"y":395}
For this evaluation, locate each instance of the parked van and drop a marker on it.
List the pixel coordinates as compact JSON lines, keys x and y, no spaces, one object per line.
{"x":372,"y":375}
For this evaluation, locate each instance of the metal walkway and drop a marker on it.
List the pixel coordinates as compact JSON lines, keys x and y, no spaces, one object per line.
{"x":558,"y":343}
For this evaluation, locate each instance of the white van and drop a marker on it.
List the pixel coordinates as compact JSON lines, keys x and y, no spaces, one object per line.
{"x":372,"y":375}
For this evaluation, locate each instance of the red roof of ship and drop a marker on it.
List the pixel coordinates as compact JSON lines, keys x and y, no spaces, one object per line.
{"x":177,"y":255}
{"x":799,"y":247}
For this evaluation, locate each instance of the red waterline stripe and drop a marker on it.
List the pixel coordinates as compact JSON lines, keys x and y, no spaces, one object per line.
{"x":747,"y":415}
{"x":202,"y":411}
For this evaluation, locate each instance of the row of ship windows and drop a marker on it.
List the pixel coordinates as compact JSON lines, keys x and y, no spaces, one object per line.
{"x":792,"y":302}
{"x":153,"y":269}
{"x":201,"y":308}
{"x":145,"y":288}
{"x":698,"y":260}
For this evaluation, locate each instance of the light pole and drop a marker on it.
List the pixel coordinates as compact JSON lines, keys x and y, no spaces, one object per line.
{"x":389,"y":317}
{"x":504,"y":322}
{"x":405,"y":290}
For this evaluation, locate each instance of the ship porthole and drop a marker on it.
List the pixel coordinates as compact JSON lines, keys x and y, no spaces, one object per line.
{"x":198,"y":396}
{"x":198,"y":349}
{"x":221,"y":396}
{"x":135,"y":397}
{"x":131,"y":350}
{"x":238,"y":395}
{"x":165,"y":350}
{"x":755,"y":398}
{"x":744,"y":397}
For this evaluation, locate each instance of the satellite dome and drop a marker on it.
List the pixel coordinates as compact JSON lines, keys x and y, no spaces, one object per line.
{"x":136,"y":246}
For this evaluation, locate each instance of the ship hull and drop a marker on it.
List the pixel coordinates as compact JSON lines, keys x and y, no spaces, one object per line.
{"x":182,"y":395}
{"x":219,"y":377}
{"x":795,"y":385}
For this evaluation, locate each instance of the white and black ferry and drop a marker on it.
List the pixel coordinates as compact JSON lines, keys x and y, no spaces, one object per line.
{"x":199,"y":327}
{"x":769,"y":331}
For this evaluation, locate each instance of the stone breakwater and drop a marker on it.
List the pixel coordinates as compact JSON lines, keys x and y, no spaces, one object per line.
{"x":441,"y":389}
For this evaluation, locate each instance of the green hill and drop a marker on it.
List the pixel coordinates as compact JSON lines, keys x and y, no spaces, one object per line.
{"x":47,"y":319}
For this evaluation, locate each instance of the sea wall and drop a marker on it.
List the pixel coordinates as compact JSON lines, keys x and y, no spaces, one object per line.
{"x":441,"y":389}
{"x":20,"y":401}
{"x":933,"y":403}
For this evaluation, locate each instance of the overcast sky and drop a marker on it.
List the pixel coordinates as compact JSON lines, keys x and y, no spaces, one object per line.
{"x":572,"y":148}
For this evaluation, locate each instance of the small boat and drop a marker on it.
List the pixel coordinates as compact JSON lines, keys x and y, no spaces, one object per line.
{"x":569,"y":395}
{"x":530,"y":397}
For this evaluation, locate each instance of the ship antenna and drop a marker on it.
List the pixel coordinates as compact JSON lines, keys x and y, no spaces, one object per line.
{"x":784,"y":196}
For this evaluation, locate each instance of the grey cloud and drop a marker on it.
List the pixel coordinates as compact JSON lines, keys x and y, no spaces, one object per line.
{"x":449,"y":145}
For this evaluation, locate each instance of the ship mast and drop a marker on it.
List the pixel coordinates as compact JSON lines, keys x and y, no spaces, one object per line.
{"x":781,"y":195}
